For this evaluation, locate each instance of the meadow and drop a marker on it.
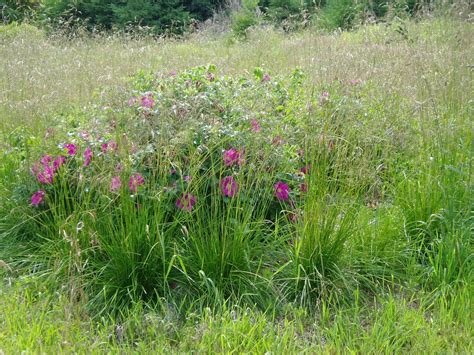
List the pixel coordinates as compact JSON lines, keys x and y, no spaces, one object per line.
{"x":304,"y":192}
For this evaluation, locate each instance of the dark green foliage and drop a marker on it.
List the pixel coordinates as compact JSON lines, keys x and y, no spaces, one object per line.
{"x":17,"y":10}
{"x":162,"y":16}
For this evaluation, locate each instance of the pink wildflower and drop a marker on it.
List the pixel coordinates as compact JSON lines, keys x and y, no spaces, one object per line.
{"x":60,"y":160}
{"x":71,"y":148}
{"x":186,"y":202}
{"x":306,"y":169}
{"x":304,"y":187}
{"x":37,"y":197}
{"x":132,"y":101}
{"x":104,"y":147}
{"x":255,"y":125}
{"x":211,"y":77}
{"x":281,"y":191}
{"x":231,"y":157}
{"x":265,"y":78}
{"x":45,"y":160}
{"x":112,"y":145}
{"x":135,"y":181}
{"x":46,"y":176}
{"x":88,"y":156}
{"x":147,"y":101}
{"x":229,"y":186}
{"x":115,"y":184}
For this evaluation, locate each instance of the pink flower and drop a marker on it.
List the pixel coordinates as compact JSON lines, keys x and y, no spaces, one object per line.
{"x":115,"y":184}
{"x":60,"y":160}
{"x":104,"y":147}
{"x":265,"y":78}
{"x":255,"y":125}
{"x":306,"y":169}
{"x":112,"y":145}
{"x":355,"y":81}
{"x":135,"y":181}
{"x":172,"y":73}
{"x":132,"y":101}
{"x":186,"y":202}
{"x":147,"y":101}
{"x":45,"y":160}
{"x":304,"y":187}
{"x":118,"y":168}
{"x":35,"y":169}
{"x":37,"y":197}
{"x":229,"y":186}
{"x":211,"y":77}
{"x":232,"y":156}
{"x":84,"y":135}
{"x":88,"y":156}
{"x":281,"y":191}
{"x":71,"y":148}
{"x":324,"y":97}
{"x":187,"y":178}
{"x":46,"y":176}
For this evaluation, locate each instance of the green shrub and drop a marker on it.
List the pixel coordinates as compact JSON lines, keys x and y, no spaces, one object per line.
{"x":245,"y":18}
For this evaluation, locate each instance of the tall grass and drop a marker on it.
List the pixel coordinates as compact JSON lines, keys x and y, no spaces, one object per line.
{"x":371,"y":135}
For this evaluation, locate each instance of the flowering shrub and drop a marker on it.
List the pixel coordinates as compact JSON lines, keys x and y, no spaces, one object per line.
{"x":205,"y":170}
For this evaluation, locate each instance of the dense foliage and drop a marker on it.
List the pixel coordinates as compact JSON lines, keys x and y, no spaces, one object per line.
{"x":176,"y":15}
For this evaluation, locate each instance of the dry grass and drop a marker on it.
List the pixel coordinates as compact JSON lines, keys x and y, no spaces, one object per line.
{"x":39,"y":76}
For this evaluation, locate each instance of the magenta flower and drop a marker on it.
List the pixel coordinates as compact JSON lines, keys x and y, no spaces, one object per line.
{"x":187,"y":178}
{"x":232,"y":156}
{"x":229,"y":186}
{"x":186,"y":202}
{"x":135,"y":181}
{"x":211,"y":77}
{"x":115,"y":184}
{"x":37,"y":197}
{"x":172,"y":73}
{"x":84,"y":135}
{"x":148,"y":102}
{"x":304,"y":187}
{"x":60,"y":160}
{"x":306,"y":169}
{"x":45,"y":160}
{"x":71,"y":148}
{"x":265,"y":78}
{"x":113,"y":146}
{"x":132,"y":101}
{"x":88,"y":156}
{"x":255,"y":125}
{"x":104,"y":147}
{"x":35,"y":169}
{"x":281,"y":191}
{"x":46,"y":176}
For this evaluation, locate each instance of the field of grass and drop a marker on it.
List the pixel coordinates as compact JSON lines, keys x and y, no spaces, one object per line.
{"x":293,"y":193}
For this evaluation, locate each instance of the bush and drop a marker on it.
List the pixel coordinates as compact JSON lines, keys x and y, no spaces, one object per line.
{"x":161,"y":16}
{"x":245,"y":18}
